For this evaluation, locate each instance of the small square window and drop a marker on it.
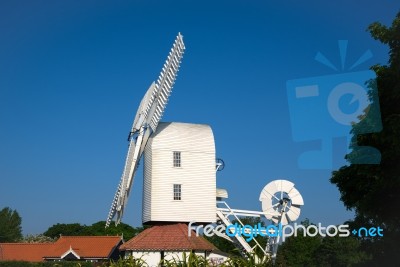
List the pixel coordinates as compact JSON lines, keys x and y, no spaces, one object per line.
{"x":177,"y":159}
{"x":177,"y":192}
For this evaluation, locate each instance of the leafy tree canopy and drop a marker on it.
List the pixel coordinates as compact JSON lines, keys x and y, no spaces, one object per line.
{"x":96,"y":229}
{"x":10,"y":225}
{"x":37,"y":238}
{"x":316,"y":250}
{"x":373,"y":191}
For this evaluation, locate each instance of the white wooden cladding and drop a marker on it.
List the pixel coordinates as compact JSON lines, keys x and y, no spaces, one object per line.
{"x":196,"y":175}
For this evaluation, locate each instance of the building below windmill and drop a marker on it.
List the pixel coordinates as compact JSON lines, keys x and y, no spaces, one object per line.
{"x":66,"y":248}
{"x":170,"y":242}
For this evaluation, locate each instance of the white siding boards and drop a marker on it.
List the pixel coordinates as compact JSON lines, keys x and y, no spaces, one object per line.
{"x":180,"y":157}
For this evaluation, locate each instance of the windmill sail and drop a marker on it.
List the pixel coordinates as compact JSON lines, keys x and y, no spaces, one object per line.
{"x":148,"y":116}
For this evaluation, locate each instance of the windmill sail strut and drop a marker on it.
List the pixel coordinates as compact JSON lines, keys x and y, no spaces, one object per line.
{"x":145,"y":123}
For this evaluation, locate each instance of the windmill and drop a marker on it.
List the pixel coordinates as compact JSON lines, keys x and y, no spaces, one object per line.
{"x":180,"y":165}
{"x":150,"y":111}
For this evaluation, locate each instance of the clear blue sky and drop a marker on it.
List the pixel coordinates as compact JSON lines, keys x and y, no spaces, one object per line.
{"x":72,"y":74}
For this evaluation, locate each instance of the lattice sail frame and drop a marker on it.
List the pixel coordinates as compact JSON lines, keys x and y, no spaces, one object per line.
{"x":148,"y":116}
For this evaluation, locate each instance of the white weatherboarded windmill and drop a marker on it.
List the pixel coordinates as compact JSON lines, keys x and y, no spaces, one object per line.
{"x":179,"y":174}
{"x":180,"y":170}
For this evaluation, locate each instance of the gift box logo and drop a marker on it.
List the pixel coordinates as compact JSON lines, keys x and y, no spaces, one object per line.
{"x":326,"y":107}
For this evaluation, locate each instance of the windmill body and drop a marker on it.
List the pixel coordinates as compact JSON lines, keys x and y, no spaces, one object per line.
{"x":179,"y":174}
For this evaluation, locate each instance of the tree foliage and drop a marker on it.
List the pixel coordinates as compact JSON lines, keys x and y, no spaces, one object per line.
{"x":298,"y":250}
{"x":320,"y":251}
{"x":122,"y":229}
{"x":10,"y":225}
{"x":373,"y":191}
{"x":37,"y":238}
{"x":71,"y":229}
{"x":329,"y":251}
{"x":339,"y":251}
{"x":96,"y":229}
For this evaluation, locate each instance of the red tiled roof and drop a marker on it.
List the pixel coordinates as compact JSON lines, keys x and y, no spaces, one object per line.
{"x":23,"y":251}
{"x":84,"y":246}
{"x":167,"y":237}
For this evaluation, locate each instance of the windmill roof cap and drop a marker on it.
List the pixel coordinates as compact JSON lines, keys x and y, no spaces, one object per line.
{"x":183,"y":137}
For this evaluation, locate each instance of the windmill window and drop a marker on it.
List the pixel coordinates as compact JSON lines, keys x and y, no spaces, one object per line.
{"x":177,"y":158}
{"x":177,"y":192}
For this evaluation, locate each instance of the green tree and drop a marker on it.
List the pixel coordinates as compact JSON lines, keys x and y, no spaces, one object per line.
{"x":320,"y":251}
{"x":10,"y":225}
{"x":328,"y":251}
{"x":373,"y":191}
{"x":299,"y":250}
{"x":123,"y":229}
{"x":96,"y":229}
{"x":339,"y":251}
{"x":71,"y":229}
{"x":38,"y":238}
